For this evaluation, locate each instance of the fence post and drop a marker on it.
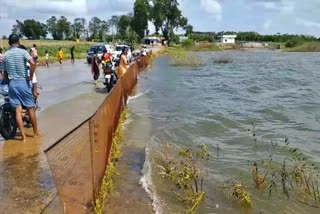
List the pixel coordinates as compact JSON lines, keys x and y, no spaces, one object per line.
{"x":92,"y":150}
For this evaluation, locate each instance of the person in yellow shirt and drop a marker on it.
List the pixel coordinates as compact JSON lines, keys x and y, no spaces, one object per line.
{"x":60,"y":55}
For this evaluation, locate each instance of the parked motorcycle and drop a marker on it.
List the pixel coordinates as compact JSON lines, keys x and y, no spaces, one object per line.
{"x":110,"y":75}
{"x":8,"y":124}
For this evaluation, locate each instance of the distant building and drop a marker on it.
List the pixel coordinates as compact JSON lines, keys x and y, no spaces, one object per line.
{"x":149,"y":40}
{"x":228,"y":39}
{"x":182,"y":38}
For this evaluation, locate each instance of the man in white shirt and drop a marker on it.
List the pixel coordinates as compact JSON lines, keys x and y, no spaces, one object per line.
{"x":33,"y":82}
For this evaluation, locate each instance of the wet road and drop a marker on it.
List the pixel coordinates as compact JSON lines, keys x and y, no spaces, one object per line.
{"x":68,"y":97}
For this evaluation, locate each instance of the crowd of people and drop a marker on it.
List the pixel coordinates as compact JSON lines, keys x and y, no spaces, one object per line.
{"x":18,"y":70}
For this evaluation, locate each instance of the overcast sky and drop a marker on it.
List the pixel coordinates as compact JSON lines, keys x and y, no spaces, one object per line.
{"x":263,"y":16}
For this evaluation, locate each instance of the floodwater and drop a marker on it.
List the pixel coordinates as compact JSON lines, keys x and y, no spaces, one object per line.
{"x":215,"y":105}
{"x":67,"y":98}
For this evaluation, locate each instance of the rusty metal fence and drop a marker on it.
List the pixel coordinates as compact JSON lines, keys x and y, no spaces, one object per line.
{"x":78,"y":161}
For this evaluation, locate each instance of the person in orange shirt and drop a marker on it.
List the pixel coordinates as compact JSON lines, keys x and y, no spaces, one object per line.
{"x":123,"y":65}
{"x":60,"y":55}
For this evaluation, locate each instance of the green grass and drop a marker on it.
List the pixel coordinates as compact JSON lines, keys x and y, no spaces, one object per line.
{"x":52,"y":46}
{"x":306,"y":47}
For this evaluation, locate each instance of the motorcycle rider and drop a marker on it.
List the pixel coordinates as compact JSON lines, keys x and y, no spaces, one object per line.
{"x":20,"y":94}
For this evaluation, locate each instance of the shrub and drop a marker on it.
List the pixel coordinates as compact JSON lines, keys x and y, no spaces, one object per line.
{"x":293,"y":43}
{"x":188,"y":43}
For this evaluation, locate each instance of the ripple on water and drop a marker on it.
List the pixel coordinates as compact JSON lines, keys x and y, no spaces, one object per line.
{"x":216,"y":105}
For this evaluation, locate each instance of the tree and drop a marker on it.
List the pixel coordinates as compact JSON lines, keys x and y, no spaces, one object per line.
{"x":33,"y":29}
{"x":52,"y":28}
{"x":140,"y":17}
{"x":124,"y":24}
{"x":78,"y":27}
{"x":63,"y":27}
{"x":94,"y":27}
{"x":166,"y":16}
{"x":104,"y":29}
{"x":188,"y":29}
{"x":114,"y":22}
{"x":18,"y":28}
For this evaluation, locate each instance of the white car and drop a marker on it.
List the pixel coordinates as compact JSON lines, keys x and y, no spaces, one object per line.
{"x":118,"y":51}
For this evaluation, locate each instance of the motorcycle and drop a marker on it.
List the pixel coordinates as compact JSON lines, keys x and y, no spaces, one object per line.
{"x":110,"y":75}
{"x":8,"y":124}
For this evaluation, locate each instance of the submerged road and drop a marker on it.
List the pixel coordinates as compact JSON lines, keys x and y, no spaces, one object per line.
{"x":68,"y":97}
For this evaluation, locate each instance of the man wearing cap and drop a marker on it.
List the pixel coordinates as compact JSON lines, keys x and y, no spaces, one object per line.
{"x":20,"y":93}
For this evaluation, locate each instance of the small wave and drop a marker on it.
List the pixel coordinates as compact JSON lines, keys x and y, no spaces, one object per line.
{"x":139,"y":95}
{"x":147,"y":185}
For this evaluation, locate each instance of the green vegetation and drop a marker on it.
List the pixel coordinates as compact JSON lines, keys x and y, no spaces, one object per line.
{"x":52,"y":46}
{"x":293,"y":178}
{"x":184,"y":168}
{"x":306,"y":47}
{"x":184,"y":58}
{"x":111,"y":172}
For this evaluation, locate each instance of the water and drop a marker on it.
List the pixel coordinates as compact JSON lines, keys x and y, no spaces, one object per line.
{"x":215,"y":105}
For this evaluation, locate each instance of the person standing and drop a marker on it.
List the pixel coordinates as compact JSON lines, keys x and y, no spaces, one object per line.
{"x":72,"y":54}
{"x":34,"y":53}
{"x":20,"y":94}
{"x":95,"y":67}
{"x":47,"y":58}
{"x":60,"y":56}
{"x":123,"y":64}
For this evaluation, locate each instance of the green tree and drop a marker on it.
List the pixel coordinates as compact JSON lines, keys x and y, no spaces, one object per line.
{"x":188,"y":29}
{"x":140,"y":17}
{"x":33,"y":29}
{"x":124,"y":24}
{"x":104,"y":29}
{"x":78,"y":27}
{"x":18,"y":28}
{"x":63,"y":27}
{"x":94,"y":27}
{"x":52,"y":28}
{"x":166,"y":16}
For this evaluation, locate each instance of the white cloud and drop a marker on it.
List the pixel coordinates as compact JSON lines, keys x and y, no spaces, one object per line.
{"x":212,"y":7}
{"x":267,"y":24}
{"x":307,"y":23}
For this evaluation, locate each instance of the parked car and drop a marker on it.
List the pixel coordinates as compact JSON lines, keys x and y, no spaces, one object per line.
{"x":98,"y":48}
{"x":118,"y":51}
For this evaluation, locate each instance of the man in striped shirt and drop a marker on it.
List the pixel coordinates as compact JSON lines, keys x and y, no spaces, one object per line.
{"x":20,"y":93}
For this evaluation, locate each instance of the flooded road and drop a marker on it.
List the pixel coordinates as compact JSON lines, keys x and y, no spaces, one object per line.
{"x":68,"y":97}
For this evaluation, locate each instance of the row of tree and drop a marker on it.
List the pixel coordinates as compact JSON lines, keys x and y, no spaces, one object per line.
{"x":251,"y":36}
{"x":164,"y":14}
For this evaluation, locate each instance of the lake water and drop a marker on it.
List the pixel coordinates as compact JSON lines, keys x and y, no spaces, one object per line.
{"x":215,"y":105}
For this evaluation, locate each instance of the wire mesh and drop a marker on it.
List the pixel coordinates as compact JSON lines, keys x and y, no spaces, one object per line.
{"x":79,"y":159}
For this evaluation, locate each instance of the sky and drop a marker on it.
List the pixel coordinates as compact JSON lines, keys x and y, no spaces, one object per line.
{"x":263,"y":16}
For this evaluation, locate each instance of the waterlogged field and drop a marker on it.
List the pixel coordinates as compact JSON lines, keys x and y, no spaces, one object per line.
{"x":256,"y":113}
{"x":52,"y":46}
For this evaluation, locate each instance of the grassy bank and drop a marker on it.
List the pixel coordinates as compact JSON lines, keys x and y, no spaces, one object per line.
{"x":306,"y":47}
{"x":52,"y":46}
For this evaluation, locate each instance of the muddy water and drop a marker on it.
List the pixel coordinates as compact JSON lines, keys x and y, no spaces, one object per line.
{"x":67,"y":98}
{"x":215,"y":105}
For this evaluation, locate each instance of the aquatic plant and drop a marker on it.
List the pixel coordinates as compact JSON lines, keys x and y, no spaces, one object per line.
{"x":185,"y":58}
{"x":111,"y":172}
{"x":296,"y":177}
{"x":184,"y":168}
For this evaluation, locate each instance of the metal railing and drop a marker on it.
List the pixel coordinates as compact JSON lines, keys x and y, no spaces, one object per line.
{"x":78,"y":160}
